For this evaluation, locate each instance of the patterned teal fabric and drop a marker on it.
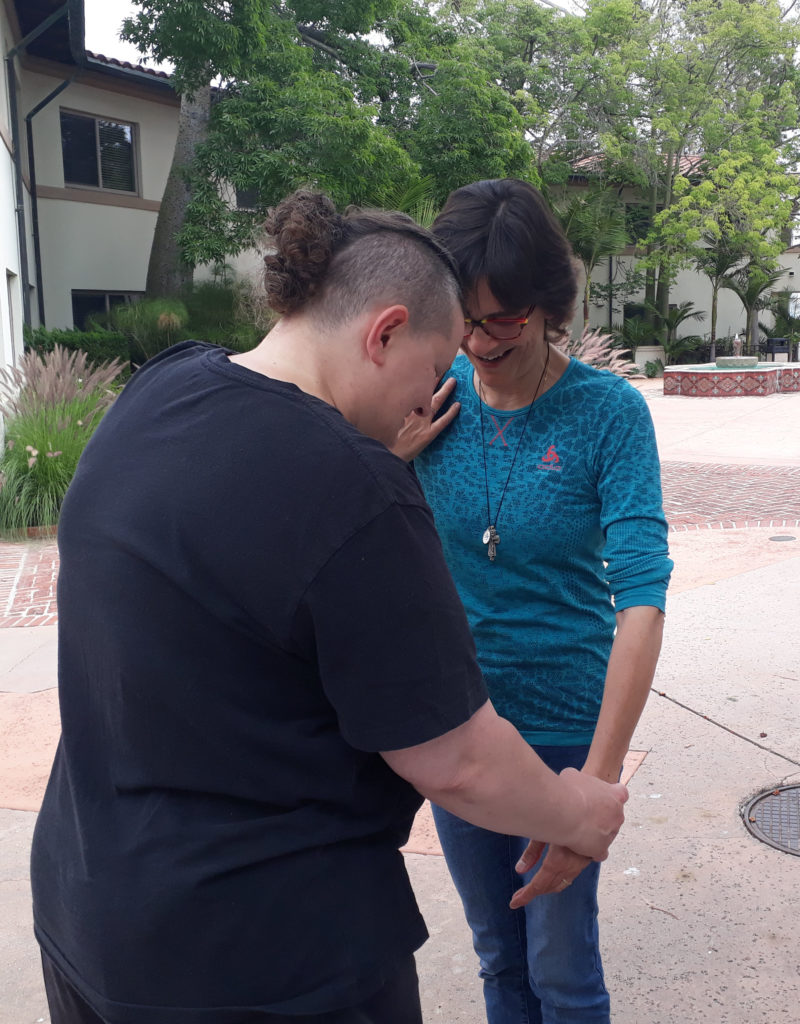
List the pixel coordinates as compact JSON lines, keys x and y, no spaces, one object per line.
{"x":582,"y":531}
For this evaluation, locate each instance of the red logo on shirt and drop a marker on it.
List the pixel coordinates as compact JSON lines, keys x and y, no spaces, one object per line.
{"x":550,"y":460}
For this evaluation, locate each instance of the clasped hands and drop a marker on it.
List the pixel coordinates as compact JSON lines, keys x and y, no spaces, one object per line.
{"x":561,"y":865}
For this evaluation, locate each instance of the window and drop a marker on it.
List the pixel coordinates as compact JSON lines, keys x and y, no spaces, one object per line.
{"x":88,"y":306}
{"x":634,"y":311}
{"x":97,"y":153}
{"x":246,"y":198}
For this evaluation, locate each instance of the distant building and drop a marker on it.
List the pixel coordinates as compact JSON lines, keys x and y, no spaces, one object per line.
{"x":86,"y":145}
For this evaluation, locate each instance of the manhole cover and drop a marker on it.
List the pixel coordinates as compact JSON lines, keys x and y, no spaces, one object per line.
{"x":774,"y":818}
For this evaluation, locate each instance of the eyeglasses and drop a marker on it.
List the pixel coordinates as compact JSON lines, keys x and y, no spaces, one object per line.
{"x":501,"y":328}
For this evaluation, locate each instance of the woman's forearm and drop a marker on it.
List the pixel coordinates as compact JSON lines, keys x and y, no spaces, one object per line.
{"x":631,"y":667}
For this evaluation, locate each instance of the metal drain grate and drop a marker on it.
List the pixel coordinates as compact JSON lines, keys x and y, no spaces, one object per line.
{"x":774,"y":818}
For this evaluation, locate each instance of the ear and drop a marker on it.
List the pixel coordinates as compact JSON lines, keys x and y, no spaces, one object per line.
{"x":382,"y":330}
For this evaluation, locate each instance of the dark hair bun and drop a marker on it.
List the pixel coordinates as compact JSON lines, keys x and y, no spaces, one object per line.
{"x":304,"y":230}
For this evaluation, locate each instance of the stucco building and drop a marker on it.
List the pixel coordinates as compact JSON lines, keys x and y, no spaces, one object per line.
{"x":86,"y":145}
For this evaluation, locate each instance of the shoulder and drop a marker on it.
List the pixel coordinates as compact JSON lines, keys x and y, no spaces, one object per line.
{"x":461,"y":371}
{"x":369,"y":461}
{"x":605,"y":391}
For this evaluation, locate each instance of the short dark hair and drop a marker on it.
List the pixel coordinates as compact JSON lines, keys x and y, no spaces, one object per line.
{"x":502,"y":231}
{"x":338,"y":263}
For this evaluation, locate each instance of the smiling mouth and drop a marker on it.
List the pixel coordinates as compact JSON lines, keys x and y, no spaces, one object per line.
{"x":493,"y":360}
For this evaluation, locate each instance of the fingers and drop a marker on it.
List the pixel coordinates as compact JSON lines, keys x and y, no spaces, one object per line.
{"x":443,"y":393}
{"x":558,"y":871}
{"x":444,"y":421}
{"x":532,"y":853}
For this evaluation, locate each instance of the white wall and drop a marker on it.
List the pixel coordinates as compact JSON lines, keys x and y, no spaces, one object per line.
{"x":96,"y":246}
{"x":691,"y":286}
{"x":11,"y":340}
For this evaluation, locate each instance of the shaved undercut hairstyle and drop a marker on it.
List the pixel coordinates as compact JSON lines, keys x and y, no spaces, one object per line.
{"x":339,"y":264}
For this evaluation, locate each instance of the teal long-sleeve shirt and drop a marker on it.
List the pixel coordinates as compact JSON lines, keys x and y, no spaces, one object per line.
{"x":582,"y":535}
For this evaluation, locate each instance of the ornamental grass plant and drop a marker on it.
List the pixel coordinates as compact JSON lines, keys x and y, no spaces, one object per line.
{"x":602,"y":351}
{"x":50,"y":405}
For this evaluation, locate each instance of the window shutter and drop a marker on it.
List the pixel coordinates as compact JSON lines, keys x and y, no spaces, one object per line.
{"x":116,"y":156}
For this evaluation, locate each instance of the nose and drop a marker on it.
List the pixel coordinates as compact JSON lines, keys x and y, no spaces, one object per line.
{"x":481,"y":344}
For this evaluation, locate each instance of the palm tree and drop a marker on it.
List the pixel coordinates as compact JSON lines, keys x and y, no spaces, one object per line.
{"x":717,"y":261}
{"x":671,"y":321}
{"x":753,"y":283}
{"x":594,"y":223}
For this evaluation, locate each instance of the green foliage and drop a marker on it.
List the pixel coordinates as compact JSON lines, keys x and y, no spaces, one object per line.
{"x":654,"y":368}
{"x":594,"y":222}
{"x":99,"y":344}
{"x":752,"y":284}
{"x":467,"y":131}
{"x":635,"y":332}
{"x":150,"y":325}
{"x":784,"y":325}
{"x":51,"y":405}
{"x":224,"y":314}
{"x":363,"y":97}
{"x":227,"y":315}
{"x":290,"y":126}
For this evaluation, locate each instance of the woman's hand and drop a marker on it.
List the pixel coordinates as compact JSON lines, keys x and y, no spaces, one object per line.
{"x":557,"y":871}
{"x":418,"y":431}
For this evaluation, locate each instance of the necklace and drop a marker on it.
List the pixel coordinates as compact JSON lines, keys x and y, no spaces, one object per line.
{"x":490,"y":535}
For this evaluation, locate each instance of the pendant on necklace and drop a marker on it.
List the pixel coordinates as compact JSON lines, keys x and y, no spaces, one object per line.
{"x":492,"y":538}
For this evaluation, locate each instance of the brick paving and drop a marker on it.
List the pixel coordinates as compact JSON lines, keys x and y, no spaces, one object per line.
{"x":28,"y":574}
{"x":697,"y":496}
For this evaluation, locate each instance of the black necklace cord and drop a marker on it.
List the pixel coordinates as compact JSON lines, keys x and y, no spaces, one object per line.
{"x":516,"y":450}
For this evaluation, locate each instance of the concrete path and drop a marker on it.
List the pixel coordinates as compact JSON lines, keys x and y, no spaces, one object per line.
{"x":698,"y":919}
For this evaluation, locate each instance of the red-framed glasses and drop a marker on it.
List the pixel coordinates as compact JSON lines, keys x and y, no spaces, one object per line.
{"x":501,"y":328}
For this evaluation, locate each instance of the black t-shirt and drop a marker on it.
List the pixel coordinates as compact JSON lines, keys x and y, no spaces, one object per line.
{"x":252,"y":600}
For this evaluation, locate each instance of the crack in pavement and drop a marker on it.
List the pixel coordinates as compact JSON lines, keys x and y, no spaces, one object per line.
{"x":719,"y":725}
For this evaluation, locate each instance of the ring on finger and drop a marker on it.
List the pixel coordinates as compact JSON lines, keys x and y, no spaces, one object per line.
{"x":564,"y":884}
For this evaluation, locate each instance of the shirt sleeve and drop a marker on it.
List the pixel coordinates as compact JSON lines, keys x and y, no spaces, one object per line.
{"x":632,"y":517}
{"x":394,"y":650}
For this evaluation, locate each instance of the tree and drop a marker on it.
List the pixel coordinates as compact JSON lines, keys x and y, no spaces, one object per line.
{"x":303,"y":96}
{"x":593,"y":220}
{"x":753,"y":283}
{"x":202,"y":45}
{"x":717,"y":258}
{"x":714,"y":71}
{"x":675,"y":347}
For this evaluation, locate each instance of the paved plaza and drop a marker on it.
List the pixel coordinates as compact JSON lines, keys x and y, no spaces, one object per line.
{"x":698,"y":918}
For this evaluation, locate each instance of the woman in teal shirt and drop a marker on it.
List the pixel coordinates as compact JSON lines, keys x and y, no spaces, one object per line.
{"x":544,"y":480}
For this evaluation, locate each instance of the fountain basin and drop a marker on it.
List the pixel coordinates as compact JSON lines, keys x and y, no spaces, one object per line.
{"x":710,"y":380}
{"x":736,"y":362}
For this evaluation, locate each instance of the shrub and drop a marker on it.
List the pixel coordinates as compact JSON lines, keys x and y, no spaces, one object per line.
{"x":100,"y":345}
{"x":51,"y":405}
{"x":654,"y":368}
{"x":150,"y":325}
{"x":602,"y":351}
{"x":224,"y":315}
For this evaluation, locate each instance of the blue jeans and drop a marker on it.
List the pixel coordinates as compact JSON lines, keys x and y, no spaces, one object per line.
{"x":540,"y":964}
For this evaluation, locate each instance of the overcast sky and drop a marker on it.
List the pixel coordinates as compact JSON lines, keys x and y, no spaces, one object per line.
{"x":103,"y":22}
